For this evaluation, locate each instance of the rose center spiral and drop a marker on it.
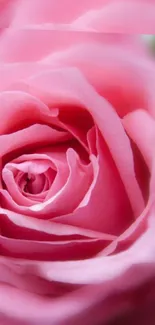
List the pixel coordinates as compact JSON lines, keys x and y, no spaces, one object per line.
{"x":34,"y":184}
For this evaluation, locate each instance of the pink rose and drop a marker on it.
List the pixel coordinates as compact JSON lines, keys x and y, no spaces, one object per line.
{"x":77,"y":200}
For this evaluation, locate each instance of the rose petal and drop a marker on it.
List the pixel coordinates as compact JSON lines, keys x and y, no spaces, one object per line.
{"x":31,"y":167}
{"x":75,"y":308}
{"x":106,"y":192}
{"x":46,"y":41}
{"x":57,"y":156}
{"x":14,"y":190}
{"x":36,"y":12}
{"x":30,"y":224}
{"x":105,"y":66}
{"x":130,"y":235}
{"x":97,"y":270}
{"x":21,"y":110}
{"x":117,"y":16}
{"x":90,"y":271}
{"x":67,"y":199}
{"x":141,"y":128}
{"x":55,"y":251}
{"x":31,"y":137}
{"x":111,"y":16}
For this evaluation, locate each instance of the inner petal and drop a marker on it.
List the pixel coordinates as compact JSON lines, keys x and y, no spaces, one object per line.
{"x":29,"y":180}
{"x":70,"y":195}
{"x":38,"y":183}
{"x":34,"y":183}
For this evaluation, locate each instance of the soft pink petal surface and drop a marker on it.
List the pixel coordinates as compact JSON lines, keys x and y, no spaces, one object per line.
{"x":101,"y":15}
{"x":141,"y":129}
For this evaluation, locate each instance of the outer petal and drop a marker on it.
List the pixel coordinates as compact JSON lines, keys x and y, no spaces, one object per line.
{"x":32,"y":228}
{"x":118,"y":75}
{"x":121,"y":16}
{"x":19,"y":110}
{"x":36,"y":12}
{"x":104,"y":16}
{"x":49,"y":41}
{"x":90,"y":305}
{"x":31,"y":137}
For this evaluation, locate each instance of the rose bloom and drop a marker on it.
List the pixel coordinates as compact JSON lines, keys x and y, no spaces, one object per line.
{"x":77,"y":134}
